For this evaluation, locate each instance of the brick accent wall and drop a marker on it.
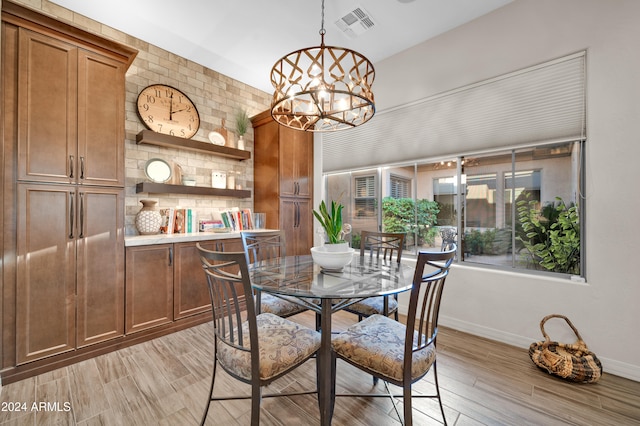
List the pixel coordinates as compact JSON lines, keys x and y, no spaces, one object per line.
{"x":216,"y":97}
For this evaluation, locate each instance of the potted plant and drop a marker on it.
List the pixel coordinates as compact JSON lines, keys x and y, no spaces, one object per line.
{"x":335,"y":254}
{"x":334,"y":228}
{"x":242,"y":125}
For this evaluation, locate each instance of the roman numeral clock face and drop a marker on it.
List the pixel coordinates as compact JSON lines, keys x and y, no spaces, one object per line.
{"x":167,"y":110}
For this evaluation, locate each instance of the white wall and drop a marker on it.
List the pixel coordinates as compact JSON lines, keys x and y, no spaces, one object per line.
{"x":507,"y":306}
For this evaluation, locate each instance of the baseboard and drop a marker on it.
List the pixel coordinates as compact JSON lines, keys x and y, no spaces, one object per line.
{"x":610,"y":366}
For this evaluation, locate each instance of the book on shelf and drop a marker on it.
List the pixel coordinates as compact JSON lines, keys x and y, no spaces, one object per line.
{"x":236,"y":219}
{"x":168,"y":220}
{"x":180,"y":221}
{"x":191,"y":223}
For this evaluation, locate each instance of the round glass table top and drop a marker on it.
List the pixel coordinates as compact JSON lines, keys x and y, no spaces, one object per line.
{"x":300,"y":276}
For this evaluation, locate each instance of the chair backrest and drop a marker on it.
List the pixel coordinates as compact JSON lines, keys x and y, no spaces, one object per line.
{"x":262,"y":246}
{"x":226,"y":288}
{"x":382,"y":243}
{"x":448,"y":235}
{"x":430,"y":274}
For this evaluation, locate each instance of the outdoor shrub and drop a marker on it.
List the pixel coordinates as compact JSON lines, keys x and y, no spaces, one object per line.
{"x":408,"y":216}
{"x":551,"y":235}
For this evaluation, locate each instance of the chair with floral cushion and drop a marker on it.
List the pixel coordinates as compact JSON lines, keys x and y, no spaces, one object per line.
{"x":397,"y":353}
{"x":261,"y":248}
{"x":259,"y":349}
{"x":380,"y":245}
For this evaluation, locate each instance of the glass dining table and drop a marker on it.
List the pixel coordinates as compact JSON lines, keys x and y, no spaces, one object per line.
{"x":299,"y":279}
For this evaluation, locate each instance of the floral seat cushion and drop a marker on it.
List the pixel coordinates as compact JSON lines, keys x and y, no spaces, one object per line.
{"x":278,"y":306}
{"x":377,"y":343}
{"x":282,"y":343}
{"x":373,"y":305}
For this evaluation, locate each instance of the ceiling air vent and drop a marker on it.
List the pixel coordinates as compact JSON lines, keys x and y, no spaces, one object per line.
{"x":355,"y":22}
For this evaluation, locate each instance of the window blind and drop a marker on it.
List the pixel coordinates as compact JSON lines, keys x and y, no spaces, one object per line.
{"x":398,"y":187}
{"x":538,"y":104}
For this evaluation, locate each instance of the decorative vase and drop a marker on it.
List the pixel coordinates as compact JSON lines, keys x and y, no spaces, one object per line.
{"x":148,"y":219}
{"x":332,"y":260}
{"x":240,"y":142}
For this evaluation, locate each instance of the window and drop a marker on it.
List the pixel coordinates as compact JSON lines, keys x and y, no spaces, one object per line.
{"x":500,"y":206}
{"x":365,"y":196}
{"x":518,"y":186}
{"x":480,"y":201}
{"x":399,"y":187}
{"x":445,"y":194}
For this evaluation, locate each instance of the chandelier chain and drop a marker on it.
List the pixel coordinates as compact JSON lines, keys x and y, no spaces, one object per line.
{"x":322,"y":30}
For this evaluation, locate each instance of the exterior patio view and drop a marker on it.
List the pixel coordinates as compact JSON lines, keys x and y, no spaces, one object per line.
{"x":512,"y":209}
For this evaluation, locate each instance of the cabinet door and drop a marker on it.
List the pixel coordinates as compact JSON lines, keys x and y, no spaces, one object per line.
{"x":304,"y":229}
{"x":100,"y":265}
{"x":296,"y":163}
{"x":46,"y":269}
{"x":149,"y":287}
{"x":190,"y":291}
{"x":295,"y":214}
{"x":100,"y":120}
{"x":47,"y":109}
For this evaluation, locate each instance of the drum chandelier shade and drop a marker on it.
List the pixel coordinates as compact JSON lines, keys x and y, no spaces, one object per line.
{"x":322,"y":88}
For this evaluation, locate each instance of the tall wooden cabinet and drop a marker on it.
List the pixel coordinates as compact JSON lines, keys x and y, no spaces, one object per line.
{"x":283,"y":175}
{"x":63,"y":135}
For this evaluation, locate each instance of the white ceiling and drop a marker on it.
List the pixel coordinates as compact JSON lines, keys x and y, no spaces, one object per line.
{"x":244,"y":38}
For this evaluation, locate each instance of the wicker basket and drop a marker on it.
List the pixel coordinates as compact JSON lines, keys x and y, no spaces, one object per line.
{"x":574,"y":362}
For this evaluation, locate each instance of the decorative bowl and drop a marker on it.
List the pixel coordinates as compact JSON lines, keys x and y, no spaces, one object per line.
{"x":331,"y":260}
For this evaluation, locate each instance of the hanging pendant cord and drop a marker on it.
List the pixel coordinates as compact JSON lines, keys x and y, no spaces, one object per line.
{"x":322,"y":30}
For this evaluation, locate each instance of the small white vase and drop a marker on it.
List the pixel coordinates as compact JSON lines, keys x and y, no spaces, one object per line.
{"x":240,"y":142}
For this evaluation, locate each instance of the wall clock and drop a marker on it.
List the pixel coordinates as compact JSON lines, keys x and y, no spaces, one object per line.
{"x":165,"y":109}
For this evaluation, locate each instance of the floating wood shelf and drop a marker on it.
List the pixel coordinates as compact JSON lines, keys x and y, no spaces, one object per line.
{"x":150,"y":137}
{"x":163,"y":188}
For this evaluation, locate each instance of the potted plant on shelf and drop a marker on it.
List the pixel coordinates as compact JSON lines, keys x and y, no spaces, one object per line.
{"x":242,"y":125}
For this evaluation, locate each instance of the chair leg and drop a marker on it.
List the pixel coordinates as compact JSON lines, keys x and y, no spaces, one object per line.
{"x":406,"y":401}
{"x":256,"y":396}
{"x":213,"y":379}
{"x":435,"y":375}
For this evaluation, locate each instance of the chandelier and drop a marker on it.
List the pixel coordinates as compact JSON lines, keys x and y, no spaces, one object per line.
{"x":322,"y":88}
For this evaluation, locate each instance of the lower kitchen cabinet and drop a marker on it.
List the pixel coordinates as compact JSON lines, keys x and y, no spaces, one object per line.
{"x":165,"y":282}
{"x":149,"y":287}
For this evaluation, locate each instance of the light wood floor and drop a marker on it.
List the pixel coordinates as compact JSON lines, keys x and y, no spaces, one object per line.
{"x":165,"y":382}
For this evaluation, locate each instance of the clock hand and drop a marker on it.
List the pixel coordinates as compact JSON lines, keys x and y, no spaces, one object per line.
{"x":171,"y":107}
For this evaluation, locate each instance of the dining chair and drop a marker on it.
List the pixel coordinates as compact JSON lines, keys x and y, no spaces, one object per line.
{"x":261,"y":248}
{"x":402,"y":354}
{"x":448,"y":235}
{"x":380,"y":245}
{"x":259,"y":349}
